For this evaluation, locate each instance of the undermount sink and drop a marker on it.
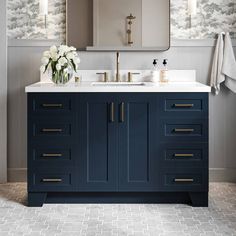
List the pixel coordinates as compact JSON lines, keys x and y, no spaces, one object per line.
{"x":118,"y":84}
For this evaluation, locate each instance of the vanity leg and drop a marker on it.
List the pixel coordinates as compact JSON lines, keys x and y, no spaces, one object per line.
{"x":36,"y":199}
{"x":199,"y":199}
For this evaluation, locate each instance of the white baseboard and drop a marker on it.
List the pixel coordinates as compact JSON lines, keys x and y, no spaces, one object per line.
{"x":215,"y":175}
{"x":17,"y":175}
{"x":222,"y":175}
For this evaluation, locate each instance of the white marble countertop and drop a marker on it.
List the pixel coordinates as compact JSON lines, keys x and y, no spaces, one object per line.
{"x":88,"y":87}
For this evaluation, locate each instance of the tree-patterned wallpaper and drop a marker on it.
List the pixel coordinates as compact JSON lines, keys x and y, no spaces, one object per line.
{"x":24,"y":21}
{"x":213,"y":16}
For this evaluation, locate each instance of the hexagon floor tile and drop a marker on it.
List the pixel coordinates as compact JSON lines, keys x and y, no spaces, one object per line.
{"x":118,"y":219}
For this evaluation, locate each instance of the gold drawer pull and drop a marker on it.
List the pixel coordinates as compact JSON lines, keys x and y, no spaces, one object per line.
{"x":52,"y":130}
{"x":52,"y":105}
{"x":184,"y":130}
{"x":184,"y":155}
{"x":52,"y":180}
{"x":52,"y":155}
{"x":183,"y":105}
{"x":112,"y":112}
{"x":122,"y":112}
{"x":183,"y":180}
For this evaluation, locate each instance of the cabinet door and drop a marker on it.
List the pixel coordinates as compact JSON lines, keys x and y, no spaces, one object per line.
{"x":138,"y":169}
{"x":97,"y":132}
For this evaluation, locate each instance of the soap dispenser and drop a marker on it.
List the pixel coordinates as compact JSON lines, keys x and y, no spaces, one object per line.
{"x":164,"y":72}
{"x":155,"y":77}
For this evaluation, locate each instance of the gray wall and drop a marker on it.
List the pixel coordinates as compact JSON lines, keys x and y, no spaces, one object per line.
{"x":23,"y":64}
{"x":23,"y":69}
{"x":3,"y":93}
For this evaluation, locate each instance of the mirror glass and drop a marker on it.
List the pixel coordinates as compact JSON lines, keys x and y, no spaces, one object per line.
{"x":125,"y":25}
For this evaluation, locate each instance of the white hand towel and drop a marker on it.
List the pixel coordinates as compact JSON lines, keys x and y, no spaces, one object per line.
{"x":229,"y":64}
{"x":216,"y":74}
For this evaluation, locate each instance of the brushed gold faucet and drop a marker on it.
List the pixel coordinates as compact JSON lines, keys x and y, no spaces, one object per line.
{"x":117,"y":67}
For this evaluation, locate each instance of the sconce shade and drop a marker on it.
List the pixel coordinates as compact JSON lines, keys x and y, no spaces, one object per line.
{"x":43,"y":7}
{"x":192,"y":7}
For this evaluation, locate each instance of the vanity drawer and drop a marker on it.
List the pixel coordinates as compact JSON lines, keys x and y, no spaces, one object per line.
{"x":52,"y":180}
{"x":184,"y":104}
{"x":51,"y":129}
{"x":51,"y":103}
{"x":186,"y":130}
{"x":184,"y":155}
{"x":50,"y":157}
{"x":183,"y":129}
{"x":190,"y":179}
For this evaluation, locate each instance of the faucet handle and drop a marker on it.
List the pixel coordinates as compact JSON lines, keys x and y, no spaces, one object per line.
{"x":105,"y":76}
{"x":130,"y":76}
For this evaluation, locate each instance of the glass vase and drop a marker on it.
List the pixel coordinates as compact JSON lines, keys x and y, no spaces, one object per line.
{"x":61,"y":77}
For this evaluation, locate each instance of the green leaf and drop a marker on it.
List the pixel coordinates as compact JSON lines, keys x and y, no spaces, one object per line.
{"x":73,"y":64}
{"x":46,"y":67}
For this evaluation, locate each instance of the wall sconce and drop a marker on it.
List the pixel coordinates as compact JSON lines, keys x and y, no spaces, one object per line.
{"x":192,"y":10}
{"x":192,"y":7}
{"x":43,"y":10}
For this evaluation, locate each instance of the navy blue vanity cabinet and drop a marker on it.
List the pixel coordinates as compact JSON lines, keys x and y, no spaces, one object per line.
{"x":117,"y":137}
{"x":118,"y":148}
{"x":98,"y":161}
{"x":116,"y":142}
{"x":52,"y":145}
{"x":183,"y":144}
{"x":137,"y":133}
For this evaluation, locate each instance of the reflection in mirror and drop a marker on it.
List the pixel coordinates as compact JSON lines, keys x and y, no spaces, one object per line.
{"x":128,"y":25}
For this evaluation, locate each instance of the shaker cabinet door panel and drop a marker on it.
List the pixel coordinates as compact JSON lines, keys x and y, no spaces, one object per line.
{"x":97,"y":132}
{"x":137,"y":167}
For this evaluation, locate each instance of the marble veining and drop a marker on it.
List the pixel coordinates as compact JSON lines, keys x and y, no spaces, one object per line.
{"x":213,"y":16}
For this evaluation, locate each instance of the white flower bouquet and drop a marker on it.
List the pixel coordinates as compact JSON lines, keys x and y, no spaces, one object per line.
{"x":60,"y":62}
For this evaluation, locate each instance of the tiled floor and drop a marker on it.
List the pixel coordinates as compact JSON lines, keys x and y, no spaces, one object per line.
{"x":118,"y":219}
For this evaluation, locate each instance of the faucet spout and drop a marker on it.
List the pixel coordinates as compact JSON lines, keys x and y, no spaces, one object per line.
{"x":117,"y":67}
